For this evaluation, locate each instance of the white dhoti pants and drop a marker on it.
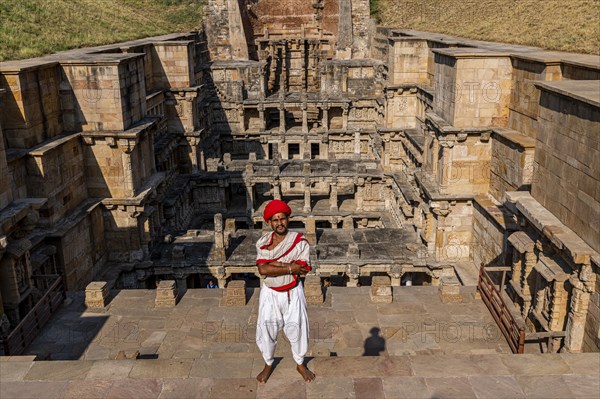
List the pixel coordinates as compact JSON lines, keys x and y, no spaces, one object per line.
{"x":276,"y":312}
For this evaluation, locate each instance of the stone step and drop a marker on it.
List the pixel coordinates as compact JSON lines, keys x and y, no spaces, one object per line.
{"x":481,"y":376}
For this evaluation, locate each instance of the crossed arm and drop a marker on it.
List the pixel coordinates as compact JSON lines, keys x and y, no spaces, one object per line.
{"x":277,"y":268}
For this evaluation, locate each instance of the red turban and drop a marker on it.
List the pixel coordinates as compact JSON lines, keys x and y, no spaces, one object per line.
{"x":276,"y":206}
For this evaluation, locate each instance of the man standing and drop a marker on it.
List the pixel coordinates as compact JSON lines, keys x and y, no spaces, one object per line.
{"x":282,"y":257}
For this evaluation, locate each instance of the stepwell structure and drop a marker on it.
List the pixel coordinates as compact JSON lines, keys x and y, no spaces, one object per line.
{"x":399,"y":151}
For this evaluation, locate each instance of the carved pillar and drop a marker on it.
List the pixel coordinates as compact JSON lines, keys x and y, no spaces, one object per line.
{"x":250,"y":199}
{"x":353,"y":273}
{"x":219,"y":247}
{"x":221,"y":277}
{"x":202,"y":165}
{"x":325,"y":121}
{"x":435,"y":157}
{"x":348,"y":223}
{"x":357,"y":151}
{"x":304,"y":118}
{"x":426,"y":150}
{"x":396,"y":275}
{"x":517,"y":268}
{"x":435,"y":278}
{"x":261,"y":117}
{"x":430,"y":232}
{"x":345,"y":108}
{"x":306,"y":194}
{"x":193,"y":143}
{"x":359,"y":195}
{"x":311,"y":229}
{"x":389,"y":120}
{"x":276,"y":190}
{"x":575,"y":331}
{"x":281,"y":118}
{"x":127,"y":170}
{"x":333,"y":195}
{"x":446,"y":165}
{"x":241,"y":119}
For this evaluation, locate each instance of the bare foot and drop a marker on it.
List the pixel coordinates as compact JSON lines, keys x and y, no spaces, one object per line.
{"x":305,"y":373}
{"x":265,"y":374}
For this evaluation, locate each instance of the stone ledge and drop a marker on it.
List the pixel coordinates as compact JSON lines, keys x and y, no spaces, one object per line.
{"x":585,"y":91}
{"x":515,"y":137}
{"x":549,"y":225}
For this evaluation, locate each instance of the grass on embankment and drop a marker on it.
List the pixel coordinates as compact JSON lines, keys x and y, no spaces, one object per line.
{"x":566,"y":25}
{"x":30,"y":28}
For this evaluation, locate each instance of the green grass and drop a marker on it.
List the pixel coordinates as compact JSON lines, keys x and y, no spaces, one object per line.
{"x":566,"y":25}
{"x":30,"y":28}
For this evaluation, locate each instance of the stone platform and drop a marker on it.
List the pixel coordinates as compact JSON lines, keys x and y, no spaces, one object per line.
{"x":420,"y":376}
{"x":346,"y":324}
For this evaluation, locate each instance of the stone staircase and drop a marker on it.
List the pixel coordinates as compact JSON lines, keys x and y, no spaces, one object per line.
{"x":231,"y":375}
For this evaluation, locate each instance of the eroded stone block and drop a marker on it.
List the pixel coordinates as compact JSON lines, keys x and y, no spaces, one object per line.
{"x":312,"y":290}
{"x":97,"y":294}
{"x":166,"y":294}
{"x":381,"y":290}
{"x":450,"y":290}
{"x":235,"y":293}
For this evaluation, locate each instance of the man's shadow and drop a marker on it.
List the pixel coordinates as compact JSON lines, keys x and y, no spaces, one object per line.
{"x":375,"y":344}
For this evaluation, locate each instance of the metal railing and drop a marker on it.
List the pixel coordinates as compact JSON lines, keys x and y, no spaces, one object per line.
{"x":512,"y":326}
{"x":26,"y":331}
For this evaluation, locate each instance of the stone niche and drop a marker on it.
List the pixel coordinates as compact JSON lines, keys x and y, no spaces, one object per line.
{"x":552,"y":288}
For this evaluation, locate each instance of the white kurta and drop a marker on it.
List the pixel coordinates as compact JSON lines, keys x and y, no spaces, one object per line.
{"x":282,"y":310}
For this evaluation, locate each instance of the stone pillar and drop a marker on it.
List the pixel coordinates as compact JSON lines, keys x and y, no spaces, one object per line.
{"x":359,"y":196}
{"x":311,"y":229}
{"x":219,"y":246}
{"x":193,"y":143}
{"x":312,"y":290}
{"x":345,"y":116}
{"x":235,"y":294}
{"x":128,"y":174}
{"x":435,"y":156}
{"x":435,"y":278}
{"x":357,"y":151}
{"x":281,"y":118}
{"x":202,"y":165}
{"x":353,"y":272}
{"x":333,"y":195}
{"x":325,"y":120}
{"x":446,"y":173}
{"x":221,"y":277}
{"x":166,"y":294}
{"x":276,"y":190}
{"x":241,"y":118}
{"x":517,"y":268}
{"x":250,"y":199}
{"x":396,"y":275}
{"x":96,"y":295}
{"x":348,"y":223}
{"x":307,"y":195}
{"x":261,"y":117}
{"x":575,"y":330}
{"x":304,"y":118}
{"x":381,"y":290}
{"x":530,"y":261}
{"x":334,"y":222}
